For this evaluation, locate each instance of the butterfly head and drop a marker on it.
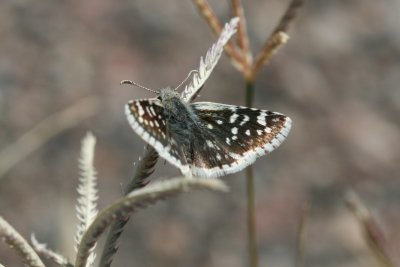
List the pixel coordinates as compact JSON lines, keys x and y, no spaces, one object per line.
{"x":167,"y":93}
{"x":172,"y":103}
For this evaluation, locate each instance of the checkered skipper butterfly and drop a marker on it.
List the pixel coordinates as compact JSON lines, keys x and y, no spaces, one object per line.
{"x":206,"y":139}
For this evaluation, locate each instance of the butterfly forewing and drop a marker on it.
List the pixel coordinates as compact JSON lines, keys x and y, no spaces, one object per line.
{"x":238,"y":136}
{"x":147,"y":119}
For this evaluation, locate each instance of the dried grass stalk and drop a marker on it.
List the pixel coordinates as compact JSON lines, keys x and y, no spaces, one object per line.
{"x":41,"y":249}
{"x":10,"y":236}
{"x":139,"y":199}
{"x":372,"y":233}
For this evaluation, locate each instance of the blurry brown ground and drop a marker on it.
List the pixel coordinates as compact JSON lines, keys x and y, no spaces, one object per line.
{"x":338,"y":78}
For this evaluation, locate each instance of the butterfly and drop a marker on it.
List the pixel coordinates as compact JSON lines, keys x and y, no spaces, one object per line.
{"x":206,"y":139}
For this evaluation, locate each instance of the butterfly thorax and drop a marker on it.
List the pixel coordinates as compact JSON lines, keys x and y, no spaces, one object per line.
{"x":180,"y":119}
{"x":175,"y":110}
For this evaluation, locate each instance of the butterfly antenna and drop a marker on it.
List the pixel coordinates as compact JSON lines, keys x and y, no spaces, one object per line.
{"x":188,"y":76}
{"x":138,"y":85}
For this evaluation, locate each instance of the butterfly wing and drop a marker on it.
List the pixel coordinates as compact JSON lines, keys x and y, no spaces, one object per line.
{"x":237,"y":136}
{"x":146,"y":117}
{"x":226,"y":140}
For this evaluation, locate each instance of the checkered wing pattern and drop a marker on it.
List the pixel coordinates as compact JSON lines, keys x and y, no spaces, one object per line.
{"x":235,"y":137}
{"x":225,"y":140}
{"x":147,"y":119}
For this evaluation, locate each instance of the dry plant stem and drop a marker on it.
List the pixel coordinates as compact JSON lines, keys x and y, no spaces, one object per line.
{"x":251,"y":219}
{"x":51,"y":255}
{"x":86,"y":206}
{"x":251,"y":214}
{"x":43,"y":251}
{"x":19,"y":244}
{"x":276,"y":41}
{"x":215,"y":25}
{"x":242,"y":37}
{"x":44,"y":131}
{"x":209,"y":15}
{"x":139,"y":199}
{"x":278,"y":36}
{"x":243,"y":61}
{"x":301,"y":236}
{"x":143,"y":170}
{"x":289,"y":16}
{"x":372,"y":234}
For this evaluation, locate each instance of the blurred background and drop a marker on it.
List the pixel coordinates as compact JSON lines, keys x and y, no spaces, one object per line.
{"x":338,"y":79}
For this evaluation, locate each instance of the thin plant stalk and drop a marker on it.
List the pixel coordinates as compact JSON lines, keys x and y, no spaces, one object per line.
{"x":140,"y":179}
{"x":230,"y":49}
{"x":241,"y":58}
{"x":251,"y":219}
{"x":139,"y":199}
{"x":42,"y":250}
{"x":242,"y":36}
{"x":372,"y":233}
{"x":301,"y":235}
{"x":15,"y":240}
{"x":251,"y":213}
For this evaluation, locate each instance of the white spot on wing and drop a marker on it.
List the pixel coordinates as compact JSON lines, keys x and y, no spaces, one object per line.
{"x":261,"y":119}
{"x":152,"y":111}
{"x":210,"y":143}
{"x":246,"y":159}
{"x":148,"y":111}
{"x":140,"y":108}
{"x":233,"y":118}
